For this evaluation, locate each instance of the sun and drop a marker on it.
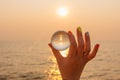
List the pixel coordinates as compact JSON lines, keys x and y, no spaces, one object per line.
{"x":62,"y":11}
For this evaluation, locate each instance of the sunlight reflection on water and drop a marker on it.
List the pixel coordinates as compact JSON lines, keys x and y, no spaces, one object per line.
{"x":53,"y":72}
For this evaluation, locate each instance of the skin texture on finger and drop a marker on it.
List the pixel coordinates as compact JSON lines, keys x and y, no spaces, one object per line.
{"x":87,"y":44}
{"x":80,"y":42}
{"x":73,"y":44}
{"x":56,"y":53}
{"x":94,"y":52}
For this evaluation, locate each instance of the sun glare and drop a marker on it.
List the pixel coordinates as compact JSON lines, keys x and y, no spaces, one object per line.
{"x":62,"y":11}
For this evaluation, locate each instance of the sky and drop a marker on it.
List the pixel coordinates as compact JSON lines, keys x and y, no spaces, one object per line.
{"x":37,"y":19}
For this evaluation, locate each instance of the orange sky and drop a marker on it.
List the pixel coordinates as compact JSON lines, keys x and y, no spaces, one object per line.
{"x":37,"y":19}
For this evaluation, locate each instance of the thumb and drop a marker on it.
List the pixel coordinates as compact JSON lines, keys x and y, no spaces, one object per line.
{"x":55,"y":52}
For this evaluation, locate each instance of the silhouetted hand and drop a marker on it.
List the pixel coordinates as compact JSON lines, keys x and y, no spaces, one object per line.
{"x":79,"y":54}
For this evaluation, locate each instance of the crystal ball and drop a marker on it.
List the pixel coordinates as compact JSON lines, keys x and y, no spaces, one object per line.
{"x":60,"y":40}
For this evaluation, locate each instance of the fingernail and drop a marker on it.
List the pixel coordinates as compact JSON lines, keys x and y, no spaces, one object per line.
{"x":87,"y":33}
{"x":98,"y":45}
{"x":79,"y":29}
{"x":49,"y":44}
{"x":69,"y":32}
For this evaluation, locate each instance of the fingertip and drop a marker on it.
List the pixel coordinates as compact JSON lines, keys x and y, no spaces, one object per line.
{"x":87,"y":33}
{"x":79,"y":29}
{"x":69,"y":32}
{"x":49,"y":44}
{"x":87,"y":37}
{"x":70,"y":36}
{"x":97,"y":45}
{"x":96,"y":48}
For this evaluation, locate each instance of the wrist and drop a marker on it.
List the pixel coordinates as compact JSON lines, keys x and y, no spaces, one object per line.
{"x":71,"y":78}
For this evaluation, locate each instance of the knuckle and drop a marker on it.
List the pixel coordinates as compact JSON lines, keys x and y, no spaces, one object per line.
{"x":88,"y":50}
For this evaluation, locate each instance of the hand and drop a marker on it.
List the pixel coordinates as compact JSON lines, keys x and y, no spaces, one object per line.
{"x":72,"y":66}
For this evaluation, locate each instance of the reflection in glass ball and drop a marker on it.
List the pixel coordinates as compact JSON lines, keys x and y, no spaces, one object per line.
{"x":60,"y":40}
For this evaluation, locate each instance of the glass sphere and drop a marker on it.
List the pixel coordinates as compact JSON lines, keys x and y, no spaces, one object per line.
{"x":60,"y":40}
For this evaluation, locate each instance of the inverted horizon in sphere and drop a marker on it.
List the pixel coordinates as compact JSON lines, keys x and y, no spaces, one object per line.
{"x":60,"y":40}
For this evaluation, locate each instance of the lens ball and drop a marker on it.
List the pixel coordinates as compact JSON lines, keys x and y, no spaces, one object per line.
{"x":60,"y":40}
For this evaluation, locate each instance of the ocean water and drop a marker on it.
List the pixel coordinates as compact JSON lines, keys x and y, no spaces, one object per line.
{"x":34,"y":61}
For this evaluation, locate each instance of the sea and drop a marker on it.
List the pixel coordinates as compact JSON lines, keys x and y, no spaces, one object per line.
{"x":33,"y":60}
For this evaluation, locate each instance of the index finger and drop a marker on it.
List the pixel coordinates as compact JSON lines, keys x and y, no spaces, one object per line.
{"x":56,"y":53}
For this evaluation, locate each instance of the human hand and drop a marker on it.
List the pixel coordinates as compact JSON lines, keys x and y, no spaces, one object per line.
{"x":79,"y":54}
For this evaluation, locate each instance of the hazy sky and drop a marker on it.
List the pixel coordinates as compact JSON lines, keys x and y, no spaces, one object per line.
{"x":38,"y":20}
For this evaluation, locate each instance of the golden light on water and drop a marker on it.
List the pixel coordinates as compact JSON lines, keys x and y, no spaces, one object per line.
{"x":53,"y":72}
